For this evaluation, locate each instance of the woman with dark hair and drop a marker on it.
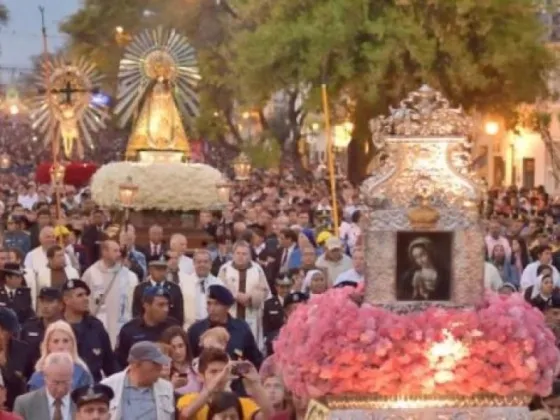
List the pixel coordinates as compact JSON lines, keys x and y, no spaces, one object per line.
{"x":182,"y":375}
{"x":225,"y":406}
{"x":519,"y":255}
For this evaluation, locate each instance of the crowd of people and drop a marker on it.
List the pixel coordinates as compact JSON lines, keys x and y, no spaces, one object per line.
{"x":97,"y":324}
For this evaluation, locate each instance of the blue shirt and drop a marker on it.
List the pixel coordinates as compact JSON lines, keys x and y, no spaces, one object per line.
{"x":137,"y":403}
{"x":80,"y":377}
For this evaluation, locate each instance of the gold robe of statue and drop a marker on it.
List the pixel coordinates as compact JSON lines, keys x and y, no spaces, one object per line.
{"x":159,"y":126}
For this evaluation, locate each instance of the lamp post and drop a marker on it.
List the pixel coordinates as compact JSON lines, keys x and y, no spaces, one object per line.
{"x":341,"y":139}
{"x":224,"y":190}
{"x":57,"y":173}
{"x":127,"y":195}
{"x":5,"y":161}
{"x":242,"y":167}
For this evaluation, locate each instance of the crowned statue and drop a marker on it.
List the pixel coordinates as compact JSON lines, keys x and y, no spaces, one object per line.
{"x":157,"y":80}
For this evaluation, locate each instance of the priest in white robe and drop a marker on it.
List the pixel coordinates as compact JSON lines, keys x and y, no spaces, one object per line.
{"x":247,"y":282}
{"x":37,"y":259}
{"x":195,"y":287}
{"x":178,"y":243}
{"x":112,"y":289}
{"x":56,"y":272}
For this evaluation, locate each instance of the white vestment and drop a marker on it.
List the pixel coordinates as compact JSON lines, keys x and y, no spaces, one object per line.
{"x":36,"y":259}
{"x":116,"y":308}
{"x":186,"y":265}
{"x":256,"y":286}
{"x":194,"y":291}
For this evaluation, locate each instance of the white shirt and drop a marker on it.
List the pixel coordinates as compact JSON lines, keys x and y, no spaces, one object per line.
{"x":201,"y":290}
{"x":66,"y":407}
{"x":36,"y":260}
{"x":186,"y":264}
{"x":27,"y":201}
{"x":492,"y":279}
{"x":529,"y":276}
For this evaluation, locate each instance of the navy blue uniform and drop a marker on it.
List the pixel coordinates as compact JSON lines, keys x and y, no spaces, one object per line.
{"x":134,"y":331}
{"x":241,"y":340}
{"x":94,"y":347}
{"x":32,"y":333}
{"x":20,"y":303}
{"x":175,"y":299}
{"x":17,"y":371}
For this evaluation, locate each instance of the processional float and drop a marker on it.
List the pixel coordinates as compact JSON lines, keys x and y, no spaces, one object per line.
{"x":157,"y":92}
{"x":426,"y":343}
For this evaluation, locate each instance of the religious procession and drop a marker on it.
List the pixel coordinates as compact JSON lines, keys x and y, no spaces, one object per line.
{"x":223,"y":210}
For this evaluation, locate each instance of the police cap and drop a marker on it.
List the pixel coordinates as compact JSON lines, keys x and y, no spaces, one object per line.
{"x":154,"y":291}
{"x":74,"y":284}
{"x":221,"y":294}
{"x":49,"y":293}
{"x":92,"y":393}
{"x":295,"y":297}
{"x":157,"y":261}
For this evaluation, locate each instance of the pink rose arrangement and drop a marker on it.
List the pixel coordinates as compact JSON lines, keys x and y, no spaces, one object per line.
{"x":331,"y":346}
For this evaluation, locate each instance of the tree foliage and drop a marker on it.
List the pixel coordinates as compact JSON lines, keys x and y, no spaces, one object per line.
{"x":486,"y":55}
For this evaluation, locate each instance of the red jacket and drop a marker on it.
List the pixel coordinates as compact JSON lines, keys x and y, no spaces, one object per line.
{"x":4,"y":415}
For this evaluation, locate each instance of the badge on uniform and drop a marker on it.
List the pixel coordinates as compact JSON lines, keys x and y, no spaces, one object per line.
{"x":33,"y":334}
{"x":97,"y":352}
{"x":273,"y":312}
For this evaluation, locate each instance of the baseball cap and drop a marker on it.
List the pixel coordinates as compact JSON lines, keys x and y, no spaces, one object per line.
{"x":146,"y":351}
{"x":333,"y":243}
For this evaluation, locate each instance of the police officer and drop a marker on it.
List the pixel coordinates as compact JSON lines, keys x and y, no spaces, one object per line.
{"x":16,"y":355}
{"x":92,"y":402}
{"x":291,"y":301}
{"x":94,"y":345}
{"x":13,"y":293}
{"x":50,"y":308}
{"x":273,"y":310}
{"x":157,"y":270}
{"x":15,"y":236}
{"x":148,"y":327}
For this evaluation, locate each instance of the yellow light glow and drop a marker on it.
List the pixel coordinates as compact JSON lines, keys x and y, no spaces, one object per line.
{"x":119,"y":29}
{"x":246,"y":115}
{"x":491,"y":128}
{"x":315,"y":126}
{"x":342,"y":135}
{"x":14,"y":109}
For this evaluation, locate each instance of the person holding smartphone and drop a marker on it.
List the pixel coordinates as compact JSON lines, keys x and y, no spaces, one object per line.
{"x":216,"y":370}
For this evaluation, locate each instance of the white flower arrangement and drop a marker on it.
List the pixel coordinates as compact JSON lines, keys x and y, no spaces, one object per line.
{"x":161,"y":186}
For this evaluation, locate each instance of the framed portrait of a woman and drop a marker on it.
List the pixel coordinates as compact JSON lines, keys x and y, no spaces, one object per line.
{"x":424,"y":261}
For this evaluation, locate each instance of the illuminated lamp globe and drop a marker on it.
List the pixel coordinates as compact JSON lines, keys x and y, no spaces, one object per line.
{"x":224,"y":190}
{"x":57,"y":173}
{"x":491,"y":128}
{"x":343,"y":135}
{"x":127,"y":193}
{"x":5,"y":161}
{"x":14,"y":109}
{"x":242,"y":167}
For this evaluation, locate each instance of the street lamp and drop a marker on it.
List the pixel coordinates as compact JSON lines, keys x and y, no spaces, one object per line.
{"x":224,"y":189}
{"x":127,"y":195}
{"x":5,"y":161}
{"x":491,"y":128}
{"x":342,"y":135}
{"x":242,"y":167}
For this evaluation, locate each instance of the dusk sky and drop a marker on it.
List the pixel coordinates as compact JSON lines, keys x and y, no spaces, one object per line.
{"x":21,"y":39}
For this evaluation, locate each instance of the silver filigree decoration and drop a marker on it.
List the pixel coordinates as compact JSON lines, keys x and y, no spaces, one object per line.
{"x":425,"y":113}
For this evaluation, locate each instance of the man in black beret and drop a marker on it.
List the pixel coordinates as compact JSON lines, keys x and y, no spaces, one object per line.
{"x":18,"y":367}
{"x":292,"y":301}
{"x":157,"y":276}
{"x":241,"y":343}
{"x":92,"y":402}
{"x":273,"y":309}
{"x":148,"y":327}
{"x":94,"y":345}
{"x":50,"y":308}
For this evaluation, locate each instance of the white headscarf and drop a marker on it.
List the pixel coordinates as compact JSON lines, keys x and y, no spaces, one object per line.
{"x":307,"y":280}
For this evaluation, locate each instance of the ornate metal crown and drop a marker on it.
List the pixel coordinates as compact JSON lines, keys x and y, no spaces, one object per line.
{"x":423,"y":217}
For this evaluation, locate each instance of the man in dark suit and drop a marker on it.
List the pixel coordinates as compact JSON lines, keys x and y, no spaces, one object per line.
{"x":156,"y":246}
{"x":262,"y":253}
{"x":93,"y":236}
{"x":13,"y":294}
{"x":157,"y":268}
{"x":53,"y":400}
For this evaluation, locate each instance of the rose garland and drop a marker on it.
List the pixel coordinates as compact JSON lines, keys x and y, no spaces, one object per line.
{"x":330,"y":346}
